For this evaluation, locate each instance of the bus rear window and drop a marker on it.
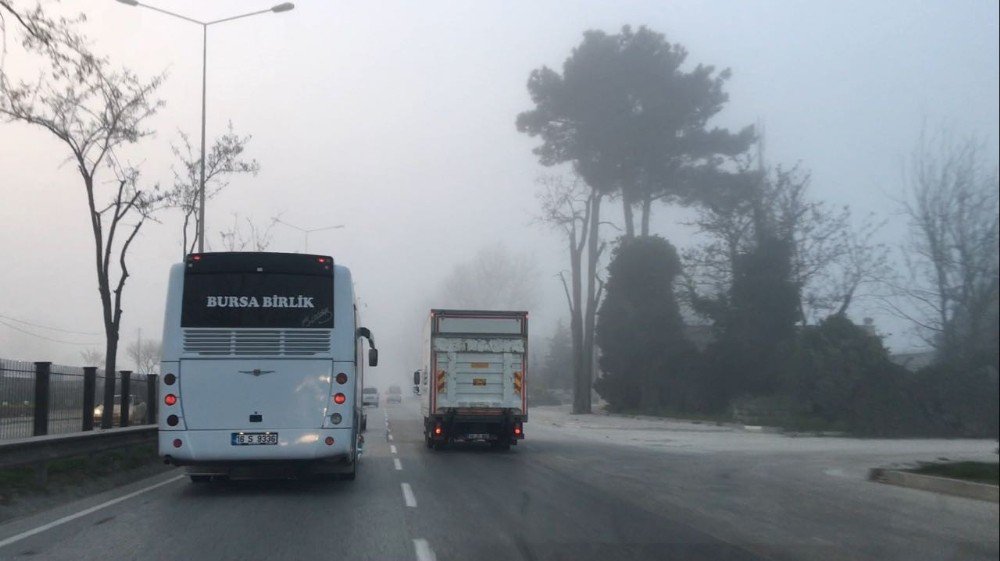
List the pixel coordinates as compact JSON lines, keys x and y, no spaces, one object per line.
{"x":257,"y":300}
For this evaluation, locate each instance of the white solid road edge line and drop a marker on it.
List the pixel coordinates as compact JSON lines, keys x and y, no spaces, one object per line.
{"x":424,"y":551}
{"x":399,"y":466}
{"x":85,"y":512}
{"x":408,"y":497}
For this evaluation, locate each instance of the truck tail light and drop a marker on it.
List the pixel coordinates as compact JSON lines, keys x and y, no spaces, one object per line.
{"x":437,"y":430}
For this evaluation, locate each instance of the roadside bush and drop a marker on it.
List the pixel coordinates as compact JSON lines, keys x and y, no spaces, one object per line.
{"x":645,"y":358}
{"x":841,"y":375}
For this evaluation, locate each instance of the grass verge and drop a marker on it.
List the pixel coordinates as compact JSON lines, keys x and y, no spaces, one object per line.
{"x":977,"y":472}
{"x":74,"y":478}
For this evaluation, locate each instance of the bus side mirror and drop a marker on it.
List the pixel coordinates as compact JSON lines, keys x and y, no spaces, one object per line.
{"x":416,"y":378}
{"x":372,"y":357}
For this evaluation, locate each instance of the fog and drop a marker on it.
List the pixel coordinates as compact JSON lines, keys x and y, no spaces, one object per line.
{"x":396,"y":119}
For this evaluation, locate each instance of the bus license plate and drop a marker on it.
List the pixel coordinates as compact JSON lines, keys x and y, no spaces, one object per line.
{"x":255,"y":438}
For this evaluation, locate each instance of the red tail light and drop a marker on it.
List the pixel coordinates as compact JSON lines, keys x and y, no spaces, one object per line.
{"x":177,"y":443}
{"x":329,"y":441}
{"x":339,"y":399}
{"x":517,"y":430}
{"x":437,"y":429}
{"x":170,"y":399}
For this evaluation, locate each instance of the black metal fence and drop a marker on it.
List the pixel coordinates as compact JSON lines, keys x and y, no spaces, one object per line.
{"x":38,"y":398}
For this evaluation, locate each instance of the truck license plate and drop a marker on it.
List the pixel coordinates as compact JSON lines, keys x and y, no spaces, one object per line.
{"x":254,"y":439}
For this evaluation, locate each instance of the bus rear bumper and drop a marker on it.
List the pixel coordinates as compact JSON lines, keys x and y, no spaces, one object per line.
{"x":215,"y":447}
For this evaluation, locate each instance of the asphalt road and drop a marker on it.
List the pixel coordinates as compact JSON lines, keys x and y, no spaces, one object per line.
{"x":565,"y":493}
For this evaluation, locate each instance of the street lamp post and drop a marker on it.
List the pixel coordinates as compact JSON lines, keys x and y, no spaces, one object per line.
{"x":284,"y":7}
{"x":308,"y":231}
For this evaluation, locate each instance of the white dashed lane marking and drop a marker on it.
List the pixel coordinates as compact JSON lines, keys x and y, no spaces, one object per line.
{"x":408,"y":497}
{"x":392,"y":448}
{"x":398,"y":465}
{"x":424,"y":551}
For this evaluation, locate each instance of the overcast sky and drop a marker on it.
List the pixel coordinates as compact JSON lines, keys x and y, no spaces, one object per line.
{"x":396,"y":119}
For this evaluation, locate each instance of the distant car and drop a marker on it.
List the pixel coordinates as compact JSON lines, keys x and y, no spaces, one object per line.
{"x":136,"y":411}
{"x":394,"y":395}
{"x":369,"y":396}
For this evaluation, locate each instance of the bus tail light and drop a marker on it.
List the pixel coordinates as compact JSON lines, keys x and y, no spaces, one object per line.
{"x":329,"y":441}
{"x":170,"y":399}
{"x":172,"y":420}
{"x":339,"y":398}
{"x":177,"y":443}
{"x":342,"y":378}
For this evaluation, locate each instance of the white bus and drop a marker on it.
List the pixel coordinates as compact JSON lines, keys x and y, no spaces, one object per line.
{"x":262,"y":366}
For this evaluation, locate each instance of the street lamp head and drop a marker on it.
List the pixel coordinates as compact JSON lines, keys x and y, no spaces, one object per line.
{"x":284,"y":7}
{"x":130,"y":2}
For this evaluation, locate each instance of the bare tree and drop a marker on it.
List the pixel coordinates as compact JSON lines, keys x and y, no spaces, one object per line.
{"x":145,"y":355}
{"x":833,"y":257}
{"x":93,"y":110}
{"x":225,"y":159}
{"x":92,"y":357}
{"x":567,"y":206}
{"x":495,"y":279}
{"x":952,"y":206}
{"x":247,"y":237}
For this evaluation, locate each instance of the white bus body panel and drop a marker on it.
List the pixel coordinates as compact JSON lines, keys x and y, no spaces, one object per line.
{"x":218,"y":393}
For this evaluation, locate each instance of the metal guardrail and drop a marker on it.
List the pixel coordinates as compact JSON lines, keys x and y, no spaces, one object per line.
{"x":37,"y":451}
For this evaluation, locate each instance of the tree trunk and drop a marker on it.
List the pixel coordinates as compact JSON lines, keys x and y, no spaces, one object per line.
{"x":110,"y":349}
{"x":590,"y":318}
{"x":647,"y":208}
{"x":110,"y":375}
{"x":627,"y":209}
{"x":576,"y":329}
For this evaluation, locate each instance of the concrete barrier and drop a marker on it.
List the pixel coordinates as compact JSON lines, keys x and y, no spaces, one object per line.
{"x":943,"y":485}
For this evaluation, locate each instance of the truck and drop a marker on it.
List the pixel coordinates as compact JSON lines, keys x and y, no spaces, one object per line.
{"x":473,"y":380}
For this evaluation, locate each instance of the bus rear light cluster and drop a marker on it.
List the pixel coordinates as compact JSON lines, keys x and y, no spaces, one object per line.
{"x":170,"y":399}
{"x":342,"y":378}
{"x":172,"y":420}
{"x":339,"y":398}
{"x":336,"y":418}
{"x":177,"y":443}
{"x":329,"y":441}
{"x":170,"y":379}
